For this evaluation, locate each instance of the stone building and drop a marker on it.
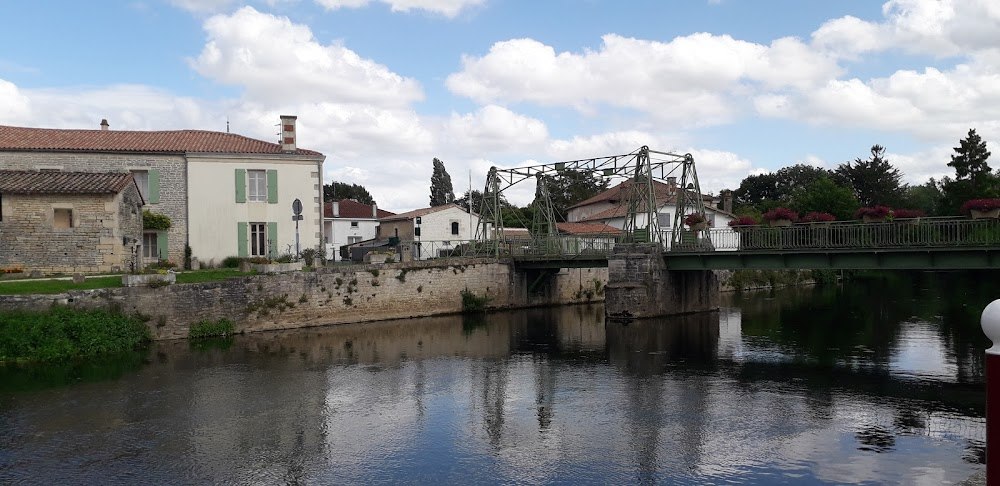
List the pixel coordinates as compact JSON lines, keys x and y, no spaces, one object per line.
{"x":225,"y":194}
{"x":69,"y":221}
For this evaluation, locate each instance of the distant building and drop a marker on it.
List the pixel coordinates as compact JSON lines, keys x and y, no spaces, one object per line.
{"x":435,"y":230}
{"x":347,"y":222}
{"x":69,"y":222}
{"x":224,"y":193}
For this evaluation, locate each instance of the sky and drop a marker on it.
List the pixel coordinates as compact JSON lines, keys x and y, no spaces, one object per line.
{"x":381,"y":87}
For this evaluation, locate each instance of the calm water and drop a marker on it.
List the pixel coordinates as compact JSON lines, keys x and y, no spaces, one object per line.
{"x":870,"y":383}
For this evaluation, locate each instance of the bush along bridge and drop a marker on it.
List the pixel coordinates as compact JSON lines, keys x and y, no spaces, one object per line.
{"x":654,"y":271}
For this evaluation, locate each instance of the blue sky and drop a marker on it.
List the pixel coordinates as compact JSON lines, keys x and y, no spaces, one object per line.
{"x":383,"y":86}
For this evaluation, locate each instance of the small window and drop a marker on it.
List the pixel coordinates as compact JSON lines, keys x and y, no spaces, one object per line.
{"x":354,"y":224}
{"x":258,"y":239}
{"x":257,"y":185}
{"x":62,"y":218}
{"x":149,"y":249}
{"x":663,"y":219}
{"x":454,"y":227}
{"x":142,"y":180}
{"x":353,"y":239}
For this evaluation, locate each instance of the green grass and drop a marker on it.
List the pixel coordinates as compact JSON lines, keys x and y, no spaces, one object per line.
{"x":19,"y":287}
{"x":62,"y":333}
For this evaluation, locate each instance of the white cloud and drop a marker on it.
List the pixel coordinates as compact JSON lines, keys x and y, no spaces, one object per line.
{"x":202,"y":6}
{"x":448,"y":8}
{"x":690,"y":81}
{"x":495,"y":128}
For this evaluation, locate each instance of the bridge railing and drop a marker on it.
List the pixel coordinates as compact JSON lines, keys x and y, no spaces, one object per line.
{"x":903,"y":233}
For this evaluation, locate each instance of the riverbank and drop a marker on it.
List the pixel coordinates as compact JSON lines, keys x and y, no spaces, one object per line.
{"x":62,"y":333}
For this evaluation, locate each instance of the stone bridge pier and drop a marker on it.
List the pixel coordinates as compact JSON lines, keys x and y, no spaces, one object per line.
{"x":640,"y":285}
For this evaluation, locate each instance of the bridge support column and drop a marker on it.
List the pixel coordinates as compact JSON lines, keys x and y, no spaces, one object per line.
{"x":639,"y":285}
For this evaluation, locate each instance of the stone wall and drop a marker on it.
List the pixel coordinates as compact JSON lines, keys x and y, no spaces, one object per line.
{"x":361,"y":293}
{"x":173,"y":181}
{"x":640,"y":285}
{"x":93,"y":243}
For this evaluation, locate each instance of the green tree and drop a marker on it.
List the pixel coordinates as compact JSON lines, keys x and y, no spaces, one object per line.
{"x":825,"y":196}
{"x":764,"y":192}
{"x":973,"y":177}
{"x":875,"y":181}
{"x":568,"y":187}
{"x":335,"y":191}
{"x":442,"y":191}
{"x":477,"y":201}
{"x":926,"y":197}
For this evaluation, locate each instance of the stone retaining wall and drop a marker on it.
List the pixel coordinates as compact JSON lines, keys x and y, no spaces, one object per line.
{"x":360,"y":293}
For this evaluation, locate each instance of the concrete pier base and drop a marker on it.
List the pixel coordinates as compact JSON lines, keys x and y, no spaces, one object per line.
{"x":640,"y":285}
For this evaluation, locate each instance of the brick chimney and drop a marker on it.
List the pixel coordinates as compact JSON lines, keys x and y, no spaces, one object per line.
{"x":727,"y":201}
{"x":104,"y":124}
{"x":288,"y":133}
{"x":672,"y":184}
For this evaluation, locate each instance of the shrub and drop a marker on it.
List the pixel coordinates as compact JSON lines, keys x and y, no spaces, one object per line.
{"x":743,"y":221}
{"x":908,"y":213}
{"x":781,"y":213}
{"x":161,"y":265}
{"x":231,"y":262}
{"x":472,"y":302}
{"x":258,"y":260}
{"x":694,"y":218}
{"x":286,"y":258}
{"x":153,"y":221}
{"x":818,"y":217}
{"x":980,"y":205}
{"x":61,"y":333}
{"x":203,"y":329}
{"x":874,"y":212}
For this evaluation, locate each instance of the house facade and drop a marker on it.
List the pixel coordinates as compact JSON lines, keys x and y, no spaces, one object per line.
{"x":435,"y":231}
{"x":225,"y":194}
{"x":347,"y":222}
{"x":69,"y":222}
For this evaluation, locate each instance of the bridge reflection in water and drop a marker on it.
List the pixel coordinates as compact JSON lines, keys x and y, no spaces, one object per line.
{"x":535,"y":396}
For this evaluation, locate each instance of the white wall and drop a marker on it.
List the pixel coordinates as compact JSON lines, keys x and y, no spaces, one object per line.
{"x":338,"y":231}
{"x":214,"y":213}
{"x":435,"y":228}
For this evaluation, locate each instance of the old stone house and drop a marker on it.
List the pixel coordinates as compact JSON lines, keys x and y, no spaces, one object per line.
{"x":68,"y":221}
{"x":225,"y":194}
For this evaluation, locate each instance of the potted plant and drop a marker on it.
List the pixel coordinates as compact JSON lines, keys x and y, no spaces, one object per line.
{"x":982,"y":208}
{"x":815,"y":217}
{"x":743,"y":221}
{"x":696,"y":221}
{"x":781,"y":217}
{"x":910,"y":216}
{"x":876,"y":214}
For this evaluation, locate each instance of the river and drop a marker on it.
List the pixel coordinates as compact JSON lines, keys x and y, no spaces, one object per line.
{"x":870,"y":382}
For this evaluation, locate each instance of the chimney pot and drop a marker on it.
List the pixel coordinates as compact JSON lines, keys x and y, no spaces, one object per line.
{"x":104,"y":124}
{"x":336,"y":209}
{"x":288,"y":143}
{"x":374,"y":211}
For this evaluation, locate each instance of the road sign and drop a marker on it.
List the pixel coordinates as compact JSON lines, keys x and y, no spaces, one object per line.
{"x":297,"y":207}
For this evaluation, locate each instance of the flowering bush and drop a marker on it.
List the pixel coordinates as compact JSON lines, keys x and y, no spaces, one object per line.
{"x":980,"y":205}
{"x":818,"y":217}
{"x":873,"y":213}
{"x":908,"y":213}
{"x":694,"y":218}
{"x":781,"y":213}
{"x":743,"y":221}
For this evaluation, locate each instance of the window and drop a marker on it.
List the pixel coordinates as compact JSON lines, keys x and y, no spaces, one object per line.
{"x":354,"y":224}
{"x":353,"y":239}
{"x":258,"y":239}
{"x":62,"y":218}
{"x":454,"y":227}
{"x":142,"y":180}
{"x":257,"y":185}
{"x":149,"y":248}
{"x":663,"y":219}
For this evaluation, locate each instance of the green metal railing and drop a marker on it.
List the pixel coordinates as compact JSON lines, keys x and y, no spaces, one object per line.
{"x":906,"y":233}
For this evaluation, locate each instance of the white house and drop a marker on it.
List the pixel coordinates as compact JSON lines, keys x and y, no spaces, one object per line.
{"x":225,"y":194}
{"x":435,"y":231}
{"x":347,"y":222}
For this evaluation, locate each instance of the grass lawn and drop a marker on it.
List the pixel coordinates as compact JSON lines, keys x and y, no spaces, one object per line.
{"x":24,"y":286}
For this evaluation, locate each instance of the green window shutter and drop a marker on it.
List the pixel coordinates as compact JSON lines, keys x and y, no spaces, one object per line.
{"x":272,"y":186}
{"x":241,"y":188}
{"x":154,"y":186}
{"x":272,"y":239}
{"x":241,"y":239}
{"x":161,"y":245}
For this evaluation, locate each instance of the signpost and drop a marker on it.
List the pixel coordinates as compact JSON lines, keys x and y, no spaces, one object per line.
{"x":296,"y":216}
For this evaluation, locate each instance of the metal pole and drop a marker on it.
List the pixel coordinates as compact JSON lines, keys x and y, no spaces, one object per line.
{"x":990,"y":322}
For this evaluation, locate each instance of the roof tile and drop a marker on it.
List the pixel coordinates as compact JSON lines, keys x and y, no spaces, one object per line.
{"x":31,"y":182}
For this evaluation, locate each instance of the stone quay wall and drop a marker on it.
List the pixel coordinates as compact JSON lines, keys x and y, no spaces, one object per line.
{"x":337,"y":295}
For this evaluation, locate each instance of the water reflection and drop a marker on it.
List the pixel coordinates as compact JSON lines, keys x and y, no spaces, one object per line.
{"x":807,"y":386}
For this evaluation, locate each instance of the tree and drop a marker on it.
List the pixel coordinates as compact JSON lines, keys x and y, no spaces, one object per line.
{"x":875,"y":181}
{"x":442,"y":191}
{"x":568,"y":187}
{"x":764,"y":192}
{"x":477,"y":201}
{"x":341,"y":190}
{"x":825,"y":196}
{"x":973,"y":177}
{"x":926,"y":197}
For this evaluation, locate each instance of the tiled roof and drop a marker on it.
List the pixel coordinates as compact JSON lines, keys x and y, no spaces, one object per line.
{"x":174,"y":141}
{"x":31,"y":182}
{"x":622,"y":211}
{"x":587,"y":229}
{"x":351,"y":209}
{"x":421,"y":212}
